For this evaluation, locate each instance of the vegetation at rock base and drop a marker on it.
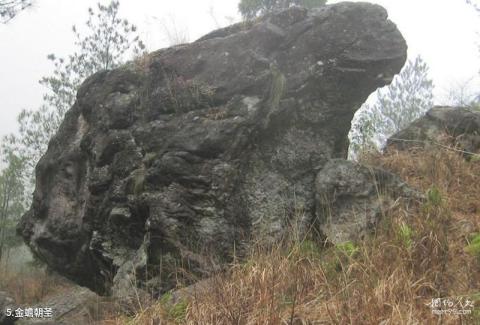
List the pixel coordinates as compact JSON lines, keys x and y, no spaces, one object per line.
{"x":474,"y":245}
{"x":417,"y":253}
{"x":406,"y":235}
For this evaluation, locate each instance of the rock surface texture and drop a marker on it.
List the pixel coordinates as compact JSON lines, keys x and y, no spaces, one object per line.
{"x":459,"y":126}
{"x":352,"y":198}
{"x":185,"y":154}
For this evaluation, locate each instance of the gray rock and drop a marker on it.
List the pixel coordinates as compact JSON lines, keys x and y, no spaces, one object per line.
{"x":461,"y":124}
{"x":75,"y":306}
{"x":6,"y":302}
{"x":352,"y":198}
{"x":194,"y":291}
{"x":186,"y":154}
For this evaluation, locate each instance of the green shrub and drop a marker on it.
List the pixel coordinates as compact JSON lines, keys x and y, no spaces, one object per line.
{"x":348,"y":248}
{"x":175,"y":311}
{"x":475,"y":158}
{"x":309,"y":248}
{"x":434,"y":196}
{"x":474,"y":246}
{"x":166,"y":298}
{"x":178,"y":311}
{"x":406,"y":235}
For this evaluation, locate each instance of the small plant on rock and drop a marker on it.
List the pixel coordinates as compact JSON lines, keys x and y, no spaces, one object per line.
{"x":175,"y":311}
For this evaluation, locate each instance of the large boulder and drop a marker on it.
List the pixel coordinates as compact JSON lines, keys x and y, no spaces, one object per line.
{"x":458,"y":126}
{"x":177,"y":159}
{"x":351,"y":199}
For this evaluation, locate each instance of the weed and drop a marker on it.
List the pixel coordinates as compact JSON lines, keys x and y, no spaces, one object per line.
{"x":348,"y":248}
{"x":178,"y":311}
{"x":309,"y":248}
{"x":166,"y":298}
{"x":474,"y":245}
{"x":434,"y":196}
{"x":372,"y":281}
{"x":143,"y":62}
{"x":406,"y":235}
{"x":187,"y":95}
{"x":475,"y":158}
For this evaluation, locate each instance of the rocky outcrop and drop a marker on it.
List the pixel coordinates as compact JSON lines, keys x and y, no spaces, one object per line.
{"x":351,"y":199}
{"x":187,"y":153}
{"x":458,"y":126}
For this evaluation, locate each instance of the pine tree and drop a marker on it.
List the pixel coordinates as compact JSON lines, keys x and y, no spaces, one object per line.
{"x":12,"y":203}
{"x":108,"y":40}
{"x":408,"y":97}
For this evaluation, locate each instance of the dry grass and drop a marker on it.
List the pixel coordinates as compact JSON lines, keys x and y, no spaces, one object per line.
{"x":30,"y":285}
{"x":416,"y":254}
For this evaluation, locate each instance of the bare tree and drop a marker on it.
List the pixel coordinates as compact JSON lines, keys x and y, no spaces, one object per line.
{"x":211,"y":13}
{"x":227,"y":20}
{"x":461,"y":94}
{"x":174,"y":33}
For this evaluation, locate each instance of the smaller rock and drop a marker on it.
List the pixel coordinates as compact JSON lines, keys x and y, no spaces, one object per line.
{"x":6,"y":302}
{"x":74,"y":306}
{"x":461,"y":124}
{"x":351,"y":198}
{"x":192,"y":291}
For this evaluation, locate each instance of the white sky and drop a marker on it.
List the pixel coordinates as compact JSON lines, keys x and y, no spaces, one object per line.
{"x":444,"y":32}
